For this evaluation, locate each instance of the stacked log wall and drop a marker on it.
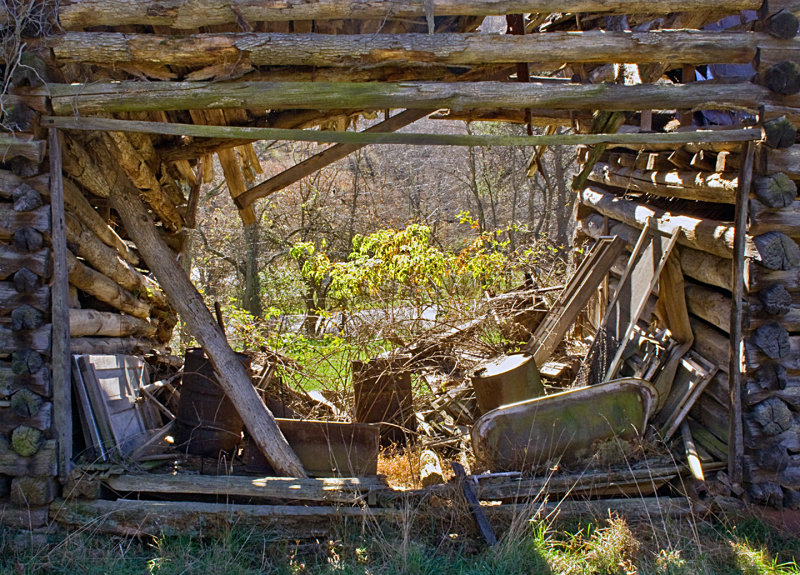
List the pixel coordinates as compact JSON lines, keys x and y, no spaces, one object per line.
{"x":627,"y":183}
{"x":28,"y":447}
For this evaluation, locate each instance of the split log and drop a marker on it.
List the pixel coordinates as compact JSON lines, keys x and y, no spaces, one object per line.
{"x":776,"y":251}
{"x":110,"y":49}
{"x":773,"y":415}
{"x":26,"y":199}
{"x":700,"y":186}
{"x":11,"y":382}
{"x":783,"y":78}
{"x":26,"y":318}
{"x":784,"y":220}
{"x":105,"y":289}
{"x":107,"y":261}
{"x":10,"y":298}
{"x":786,"y":160}
{"x":89,"y":322}
{"x":12,"y":220}
{"x":22,"y":146}
{"x":28,"y":240}
{"x":775,"y":190}
{"x":133,"y":96}
{"x":779,"y":132}
{"x":26,"y":361}
{"x":37,"y":340}
{"x":231,"y":374}
{"x":33,"y":491}
{"x":42,"y":464}
{"x":13,"y":260}
{"x":79,"y":206}
{"x":188,"y":15}
{"x":41,"y":421}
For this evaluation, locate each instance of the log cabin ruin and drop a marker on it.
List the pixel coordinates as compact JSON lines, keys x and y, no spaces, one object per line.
{"x":685,"y":115}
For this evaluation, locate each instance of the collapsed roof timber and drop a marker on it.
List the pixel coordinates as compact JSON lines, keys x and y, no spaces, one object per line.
{"x":137,"y":97}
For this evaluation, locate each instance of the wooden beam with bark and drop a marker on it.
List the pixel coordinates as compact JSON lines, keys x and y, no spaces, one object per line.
{"x":111,"y":49}
{"x":185,"y":14}
{"x":134,"y":96}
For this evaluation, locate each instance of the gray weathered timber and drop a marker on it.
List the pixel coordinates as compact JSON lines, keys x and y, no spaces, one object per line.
{"x":90,"y":322}
{"x":378,"y":137}
{"x":21,"y":145}
{"x":187,"y":301}
{"x":185,"y":14}
{"x":110,"y":49}
{"x":61,"y":366}
{"x":135,"y":96}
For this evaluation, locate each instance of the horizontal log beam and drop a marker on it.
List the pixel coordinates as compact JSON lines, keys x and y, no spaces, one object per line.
{"x":135,"y":96}
{"x":112,"y":345}
{"x":701,"y":186}
{"x":367,"y":137}
{"x":104,"y":288}
{"x":21,"y":145}
{"x":185,"y":14}
{"x":89,"y":322}
{"x":786,"y":220}
{"x":111,"y":49}
{"x":13,"y":260}
{"x":11,"y":382}
{"x":11,"y":220}
{"x":37,"y":340}
{"x":10,"y":298}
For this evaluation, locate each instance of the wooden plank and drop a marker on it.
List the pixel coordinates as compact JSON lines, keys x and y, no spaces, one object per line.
{"x":60,"y":359}
{"x":160,"y":518}
{"x":474,"y":505}
{"x":368,"y":137}
{"x":694,"y":374}
{"x":184,"y":14}
{"x":576,"y":295}
{"x":332,"y":490}
{"x":735,"y":375}
{"x":92,"y":433}
{"x":11,"y":220}
{"x":138,"y":96}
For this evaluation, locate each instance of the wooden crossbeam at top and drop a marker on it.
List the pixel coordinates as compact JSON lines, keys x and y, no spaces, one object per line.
{"x":188,"y":14}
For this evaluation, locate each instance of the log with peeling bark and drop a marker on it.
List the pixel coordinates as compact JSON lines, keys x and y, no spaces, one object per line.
{"x":104,"y":288}
{"x":135,"y":166}
{"x":774,"y":250}
{"x":111,"y":49}
{"x":183,"y":14}
{"x":107,"y":261}
{"x":90,"y":322}
{"x":701,"y":186}
{"x":232,"y":376}
{"x":130,"y":96}
{"x":78,"y":205}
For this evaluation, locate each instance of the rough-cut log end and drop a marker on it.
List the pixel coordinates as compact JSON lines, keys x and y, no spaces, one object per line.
{"x":783,"y":25}
{"x":783,"y":78}
{"x":773,"y":339}
{"x":28,"y":239}
{"x":776,"y":299}
{"x":26,"y":317}
{"x":25,"y":281}
{"x":780,"y":132}
{"x":773,"y":415}
{"x":777,"y":251}
{"x":25,"y":403}
{"x":772,"y":376}
{"x":26,"y":441}
{"x":26,"y":198}
{"x":775,"y":191}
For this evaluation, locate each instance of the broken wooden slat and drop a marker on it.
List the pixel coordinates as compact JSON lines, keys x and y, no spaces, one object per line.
{"x":474,"y":504}
{"x":332,"y":490}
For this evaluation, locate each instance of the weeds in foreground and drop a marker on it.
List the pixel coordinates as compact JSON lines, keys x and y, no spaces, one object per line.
{"x":611,"y":546}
